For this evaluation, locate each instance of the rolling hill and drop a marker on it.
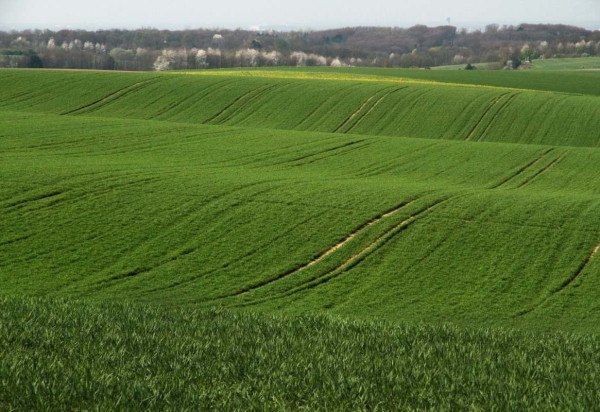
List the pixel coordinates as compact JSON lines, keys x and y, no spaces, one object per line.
{"x":310,"y":101}
{"x":369,"y":196}
{"x":299,"y":194}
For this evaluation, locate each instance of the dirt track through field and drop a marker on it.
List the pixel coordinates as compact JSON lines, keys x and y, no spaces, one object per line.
{"x":226,"y":114}
{"x":567,"y":282}
{"x":495,"y":115}
{"x":353,"y":260}
{"x":326,"y":253}
{"x":543,"y":170}
{"x":522,"y":169}
{"x":111,"y":97}
{"x":484,"y":114}
{"x":356,"y":117}
{"x":354,"y":114}
{"x":580,"y":269}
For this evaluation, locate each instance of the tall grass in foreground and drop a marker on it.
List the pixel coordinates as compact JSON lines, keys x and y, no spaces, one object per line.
{"x":74,"y":355}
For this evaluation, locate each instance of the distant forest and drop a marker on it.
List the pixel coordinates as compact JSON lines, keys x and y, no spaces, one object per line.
{"x":417,"y":46}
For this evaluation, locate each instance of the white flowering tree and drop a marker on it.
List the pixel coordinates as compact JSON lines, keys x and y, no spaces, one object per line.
{"x":75,"y":45}
{"x":316,"y":60}
{"x":580,"y":46}
{"x":458,"y":59}
{"x":165,"y":61}
{"x":298,"y":58}
{"x":543,"y":48}
{"x":247,"y":57}
{"x":201,"y":59}
{"x":269,"y":58}
{"x":526,"y":52}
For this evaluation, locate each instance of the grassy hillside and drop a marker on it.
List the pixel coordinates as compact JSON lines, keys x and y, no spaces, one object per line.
{"x":478,"y":66}
{"x":563,"y":63}
{"x":383,"y":200}
{"x":295,"y":221}
{"x":573,"y":81}
{"x":65,"y":356}
{"x":574,"y":63}
{"x":307,"y":102}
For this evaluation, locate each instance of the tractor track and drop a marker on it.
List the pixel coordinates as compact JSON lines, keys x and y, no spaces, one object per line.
{"x":348,"y":264}
{"x":95,"y":105}
{"x":325,"y":253}
{"x":542,"y":170}
{"x":522,"y":169}
{"x":565,"y":284}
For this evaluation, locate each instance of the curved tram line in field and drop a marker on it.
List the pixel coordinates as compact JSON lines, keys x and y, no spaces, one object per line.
{"x":97,"y":104}
{"x":543,"y":169}
{"x":521,"y":170}
{"x":565,"y":284}
{"x":530,"y":166}
{"x":326,"y":253}
{"x":290,"y":102}
{"x":364,"y":110}
{"x":347,"y":264}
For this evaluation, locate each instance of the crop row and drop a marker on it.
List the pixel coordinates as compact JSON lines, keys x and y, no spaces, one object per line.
{"x":430,"y":110}
{"x":213,"y":215}
{"x":61,"y":355}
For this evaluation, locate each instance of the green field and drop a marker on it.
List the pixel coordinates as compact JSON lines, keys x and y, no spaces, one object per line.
{"x":568,"y":63}
{"x":126,"y":357}
{"x":562,"y":63}
{"x":395,"y":196}
{"x":478,"y":66}
{"x":371,"y":103}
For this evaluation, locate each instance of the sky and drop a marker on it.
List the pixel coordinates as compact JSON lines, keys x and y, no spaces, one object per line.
{"x":297,"y":14}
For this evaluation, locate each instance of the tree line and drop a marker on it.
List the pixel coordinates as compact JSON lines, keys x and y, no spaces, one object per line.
{"x":417,"y":46}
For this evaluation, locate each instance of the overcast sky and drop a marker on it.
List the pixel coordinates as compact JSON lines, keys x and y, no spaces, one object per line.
{"x":305,"y":14}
